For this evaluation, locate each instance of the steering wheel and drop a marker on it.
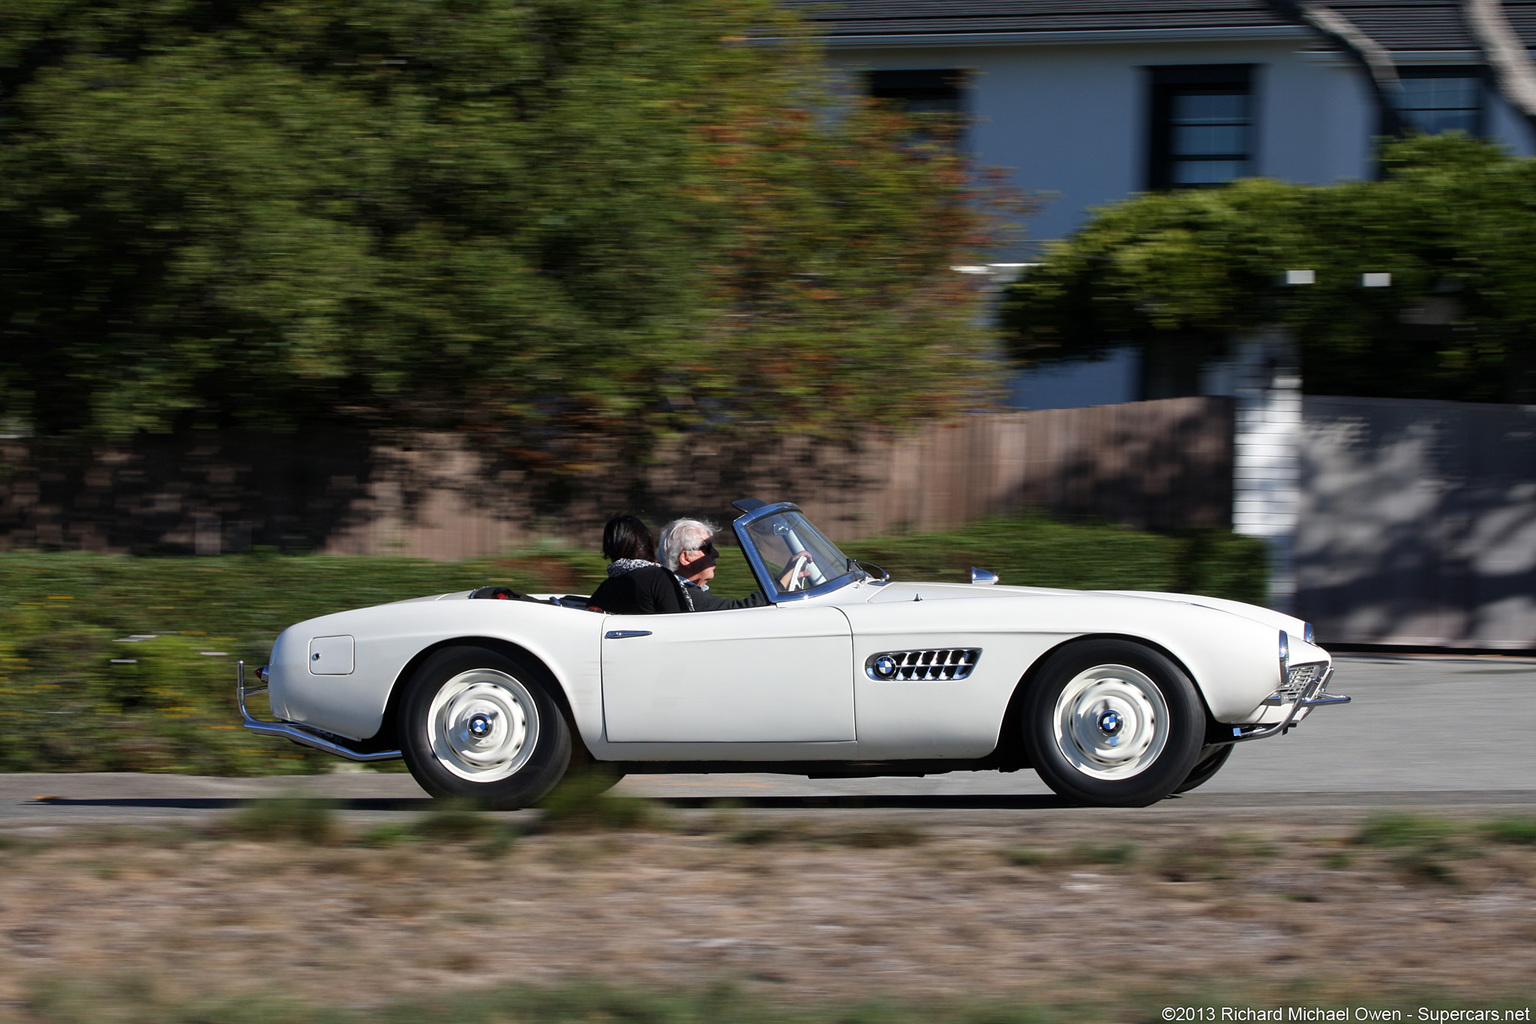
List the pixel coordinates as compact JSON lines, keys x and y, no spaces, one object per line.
{"x":793,"y":582}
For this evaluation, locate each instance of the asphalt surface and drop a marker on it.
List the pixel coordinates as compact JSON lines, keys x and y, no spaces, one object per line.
{"x":1445,"y":733}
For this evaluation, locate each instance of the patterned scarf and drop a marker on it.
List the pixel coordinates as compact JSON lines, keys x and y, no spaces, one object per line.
{"x":688,"y":586}
{"x":625,"y":565}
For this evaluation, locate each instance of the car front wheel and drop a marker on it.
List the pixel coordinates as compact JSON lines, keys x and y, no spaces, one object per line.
{"x":1211,"y":761}
{"x":1112,"y":723}
{"x":480,"y":725}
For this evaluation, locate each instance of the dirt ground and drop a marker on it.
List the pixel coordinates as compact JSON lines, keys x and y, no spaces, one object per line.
{"x":798,"y":908}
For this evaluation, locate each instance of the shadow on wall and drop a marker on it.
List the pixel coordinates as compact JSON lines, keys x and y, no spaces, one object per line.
{"x":1150,"y":465}
{"x":1161,"y":465}
{"x":1418,"y":523}
{"x":202,"y":493}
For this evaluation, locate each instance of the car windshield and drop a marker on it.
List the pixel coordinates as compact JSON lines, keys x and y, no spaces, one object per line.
{"x":793,"y":554}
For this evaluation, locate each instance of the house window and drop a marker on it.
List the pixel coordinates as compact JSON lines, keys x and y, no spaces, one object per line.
{"x":933,"y":99}
{"x":919,"y":92}
{"x":1201,"y":125}
{"x":1437,"y":100}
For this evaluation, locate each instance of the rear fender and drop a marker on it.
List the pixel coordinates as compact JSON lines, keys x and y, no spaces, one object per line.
{"x":390,"y":725}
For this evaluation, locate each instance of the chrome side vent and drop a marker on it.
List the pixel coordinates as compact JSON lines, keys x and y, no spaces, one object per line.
{"x":946,"y":663}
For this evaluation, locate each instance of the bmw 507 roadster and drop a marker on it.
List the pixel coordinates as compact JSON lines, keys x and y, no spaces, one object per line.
{"x":1114,"y":698}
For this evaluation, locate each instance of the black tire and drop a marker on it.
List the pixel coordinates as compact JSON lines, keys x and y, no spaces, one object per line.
{"x":1112,"y":723}
{"x":1210,"y":762}
{"x":479,"y":725}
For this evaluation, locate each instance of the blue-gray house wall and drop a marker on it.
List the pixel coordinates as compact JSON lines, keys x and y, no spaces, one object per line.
{"x":1059,"y":94}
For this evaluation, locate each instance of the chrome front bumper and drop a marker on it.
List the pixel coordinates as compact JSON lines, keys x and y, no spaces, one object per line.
{"x":300,"y":734}
{"x":1314,"y":695}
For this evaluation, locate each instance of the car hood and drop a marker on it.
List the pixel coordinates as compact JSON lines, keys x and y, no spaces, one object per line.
{"x":1290,"y":623}
{"x":980,"y":592}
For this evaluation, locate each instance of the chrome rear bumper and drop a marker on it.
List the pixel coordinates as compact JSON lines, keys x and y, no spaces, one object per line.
{"x":300,"y":734}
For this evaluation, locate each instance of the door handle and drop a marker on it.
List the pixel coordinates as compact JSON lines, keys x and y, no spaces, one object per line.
{"x":625,"y":634}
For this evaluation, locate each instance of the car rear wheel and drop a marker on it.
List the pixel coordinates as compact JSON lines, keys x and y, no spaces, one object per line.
{"x":599,"y":776}
{"x":480,"y":725}
{"x":1112,"y":723}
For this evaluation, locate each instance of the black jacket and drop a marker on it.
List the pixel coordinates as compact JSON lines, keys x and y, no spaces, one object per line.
{"x":654,"y":589}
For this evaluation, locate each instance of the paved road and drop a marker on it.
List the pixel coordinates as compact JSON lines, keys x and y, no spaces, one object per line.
{"x":1449,"y":733}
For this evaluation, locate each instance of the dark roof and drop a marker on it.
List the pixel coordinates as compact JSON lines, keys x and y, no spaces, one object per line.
{"x":1400,"y":25}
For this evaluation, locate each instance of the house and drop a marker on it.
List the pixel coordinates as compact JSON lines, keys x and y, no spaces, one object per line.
{"x":1395,"y":522}
{"x":1086,"y":102}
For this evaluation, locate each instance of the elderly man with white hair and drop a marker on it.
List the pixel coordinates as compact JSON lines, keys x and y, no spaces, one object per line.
{"x":687,"y":548}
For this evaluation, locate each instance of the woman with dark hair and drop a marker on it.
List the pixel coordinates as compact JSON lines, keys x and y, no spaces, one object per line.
{"x":626,"y":538}
{"x":636,"y":583}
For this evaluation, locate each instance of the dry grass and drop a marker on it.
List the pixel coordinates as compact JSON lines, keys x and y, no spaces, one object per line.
{"x":779,"y":909}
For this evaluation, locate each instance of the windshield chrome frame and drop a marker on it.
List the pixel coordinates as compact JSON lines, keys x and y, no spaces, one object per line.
{"x":760,"y":568}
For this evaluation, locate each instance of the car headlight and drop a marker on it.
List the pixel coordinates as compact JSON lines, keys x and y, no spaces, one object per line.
{"x":1307,"y":634}
{"x":1285,"y":657}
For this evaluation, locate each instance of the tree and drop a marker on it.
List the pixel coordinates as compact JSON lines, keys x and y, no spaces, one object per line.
{"x":1373,"y":59}
{"x":1486,"y":22}
{"x":568,"y":226}
{"x":1453,"y":221}
{"x":1506,"y":53}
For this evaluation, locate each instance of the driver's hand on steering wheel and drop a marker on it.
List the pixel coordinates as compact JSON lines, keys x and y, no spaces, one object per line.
{"x":799,"y":568}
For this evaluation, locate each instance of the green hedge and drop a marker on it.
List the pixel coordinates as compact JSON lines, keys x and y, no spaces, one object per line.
{"x":1038,"y":552}
{"x":128,"y":664}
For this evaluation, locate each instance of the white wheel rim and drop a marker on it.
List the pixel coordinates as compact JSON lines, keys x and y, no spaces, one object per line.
{"x":1111,"y":722}
{"x":483,"y":725}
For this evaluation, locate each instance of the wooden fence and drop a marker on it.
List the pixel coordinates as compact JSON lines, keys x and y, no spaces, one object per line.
{"x":1164,"y":464}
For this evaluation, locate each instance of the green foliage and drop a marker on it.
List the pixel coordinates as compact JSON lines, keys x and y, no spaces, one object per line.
{"x":878,"y":836}
{"x":1421,"y":844}
{"x":1213,"y":859}
{"x":124,"y":664}
{"x":448,"y":821}
{"x":74,"y":696}
{"x":582,"y":803}
{"x":1077,"y":855}
{"x":1452,"y":220}
{"x":301,"y":819}
{"x":1030,"y":550}
{"x":1514,"y":831}
{"x":568,"y":226}
{"x":113,"y":997}
{"x":1102,"y":853}
{"x":1401,"y":830}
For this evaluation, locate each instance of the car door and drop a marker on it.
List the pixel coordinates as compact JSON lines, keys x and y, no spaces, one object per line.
{"x":777,"y":674}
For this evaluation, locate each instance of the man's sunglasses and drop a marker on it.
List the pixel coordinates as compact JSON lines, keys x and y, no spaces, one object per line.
{"x":708,"y":548}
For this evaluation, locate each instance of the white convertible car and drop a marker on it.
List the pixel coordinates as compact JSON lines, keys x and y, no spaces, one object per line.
{"x":1113,"y":698}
